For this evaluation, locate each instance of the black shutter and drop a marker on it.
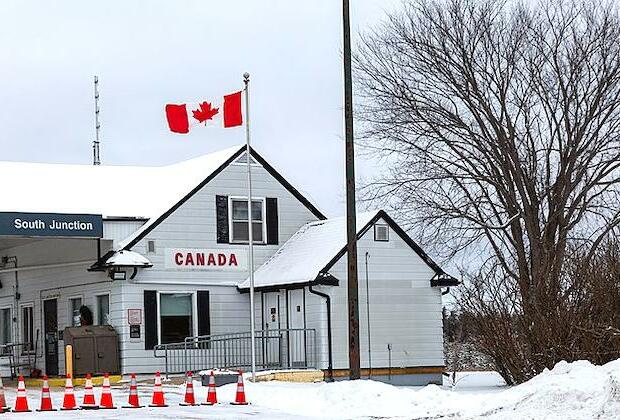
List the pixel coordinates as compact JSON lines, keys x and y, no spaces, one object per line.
{"x":204,"y":319}
{"x":150,"y":319}
{"x":221,"y":208}
{"x":272,"y":221}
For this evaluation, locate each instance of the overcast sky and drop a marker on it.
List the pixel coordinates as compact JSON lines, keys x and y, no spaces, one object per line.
{"x":147,"y":54}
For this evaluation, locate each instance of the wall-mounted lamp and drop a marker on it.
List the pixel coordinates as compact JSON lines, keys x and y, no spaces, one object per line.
{"x":118,"y":275}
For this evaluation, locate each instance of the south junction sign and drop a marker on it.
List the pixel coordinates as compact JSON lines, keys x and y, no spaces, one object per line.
{"x":51,"y":225}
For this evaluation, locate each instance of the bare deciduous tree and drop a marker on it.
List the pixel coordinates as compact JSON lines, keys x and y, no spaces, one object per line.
{"x":501,"y":126}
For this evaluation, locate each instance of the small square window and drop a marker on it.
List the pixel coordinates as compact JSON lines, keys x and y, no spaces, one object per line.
{"x":382,"y":233}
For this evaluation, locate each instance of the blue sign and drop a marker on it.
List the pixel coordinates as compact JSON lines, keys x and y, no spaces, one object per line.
{"x":51,"y":224}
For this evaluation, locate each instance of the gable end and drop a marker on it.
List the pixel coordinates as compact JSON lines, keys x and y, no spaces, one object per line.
{"x":270,"y":169}
{"x":439,"y":273}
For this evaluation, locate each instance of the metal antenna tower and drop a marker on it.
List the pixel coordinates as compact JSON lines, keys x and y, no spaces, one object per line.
{"x":96,"y":157}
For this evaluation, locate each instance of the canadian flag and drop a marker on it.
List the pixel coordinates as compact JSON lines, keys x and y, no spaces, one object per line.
{"x":226,"y":113}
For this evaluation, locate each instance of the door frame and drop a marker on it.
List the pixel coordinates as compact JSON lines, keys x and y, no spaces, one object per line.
{"x":45,"y":344}
{"x":268,"y":344}
{"x":289,"y":312}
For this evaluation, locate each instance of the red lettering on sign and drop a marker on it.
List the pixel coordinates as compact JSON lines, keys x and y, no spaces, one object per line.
{"x":203,"y":258}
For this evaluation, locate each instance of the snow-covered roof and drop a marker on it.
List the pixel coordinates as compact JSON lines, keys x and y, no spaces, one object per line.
{"x":127,"y":191}
{"x":126,"y":258}
{"x":306,"y":253}
{"x":112,"y":191}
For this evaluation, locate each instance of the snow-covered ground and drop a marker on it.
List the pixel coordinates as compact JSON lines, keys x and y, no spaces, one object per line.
{"x":576,"y":390}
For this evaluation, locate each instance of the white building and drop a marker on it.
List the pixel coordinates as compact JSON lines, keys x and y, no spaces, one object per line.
{"x":160,"y":254}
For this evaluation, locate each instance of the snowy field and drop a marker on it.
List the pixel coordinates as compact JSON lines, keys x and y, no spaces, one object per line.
{"x":576,"y":390}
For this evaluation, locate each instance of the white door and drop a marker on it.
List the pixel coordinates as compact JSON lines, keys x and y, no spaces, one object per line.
{"x":272,"y":336}
{"x":297,"y":334}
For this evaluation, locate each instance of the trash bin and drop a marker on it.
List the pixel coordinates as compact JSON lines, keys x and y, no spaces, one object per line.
{"x":95,"y":349}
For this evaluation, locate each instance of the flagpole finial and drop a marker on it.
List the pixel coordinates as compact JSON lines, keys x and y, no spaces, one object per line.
{"x":246,"y":77}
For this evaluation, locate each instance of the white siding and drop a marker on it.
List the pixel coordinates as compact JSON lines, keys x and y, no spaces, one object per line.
{"x":61,"y":283}
{"x":404,"y":310}
{"x":117,"y":230}
{"x":193,"y":225}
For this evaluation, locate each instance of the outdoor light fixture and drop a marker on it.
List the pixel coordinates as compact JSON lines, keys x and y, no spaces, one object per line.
{"x":119,"y":275}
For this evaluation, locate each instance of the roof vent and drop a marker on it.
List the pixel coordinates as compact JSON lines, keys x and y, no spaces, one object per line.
{"x":242,"y":160}
{"x":382,"y":233}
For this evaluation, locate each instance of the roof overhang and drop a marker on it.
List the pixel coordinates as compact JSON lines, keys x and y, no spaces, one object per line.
{"x":440,"y":279}
{"x":444,"y":280}
{"x":323,"y":279}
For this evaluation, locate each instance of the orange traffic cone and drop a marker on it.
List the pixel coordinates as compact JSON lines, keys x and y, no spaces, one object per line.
{"x":240,"y":397}
{"x":158,"y":393}
{"x":212,"y":394}
{"x":189,"y":390}
{"x":3,"y":406}
{"x":106,"y":394}
{"x":133,"y":394}
{"x":46,"y":400}
{"x":68,"y":403}
{"x":88,"y":403}
{"x":21,"y":403}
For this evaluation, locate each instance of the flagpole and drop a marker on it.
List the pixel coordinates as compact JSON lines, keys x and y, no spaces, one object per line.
{"x":246,"y":80}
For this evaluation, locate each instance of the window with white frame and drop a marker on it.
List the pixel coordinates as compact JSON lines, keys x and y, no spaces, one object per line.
{"x":74,"y":311}
{"x":239,"y":220}
{"x":6,"y":322}
{"x":176,"y":317}
{"x":103,"y":309}
{"x":27,"y":327}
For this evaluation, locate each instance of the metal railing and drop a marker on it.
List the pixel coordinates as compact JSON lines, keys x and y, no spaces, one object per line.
{"x":18,"y":355}
{"x":275,"y":349}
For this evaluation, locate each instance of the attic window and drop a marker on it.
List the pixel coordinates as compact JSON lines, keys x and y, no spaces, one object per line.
{"x":150,"y":247}
{"x":382,"y":233}
{"x":242,"y":160}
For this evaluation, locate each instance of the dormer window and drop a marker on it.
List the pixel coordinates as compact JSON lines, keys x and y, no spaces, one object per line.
{"x":239,"y":220}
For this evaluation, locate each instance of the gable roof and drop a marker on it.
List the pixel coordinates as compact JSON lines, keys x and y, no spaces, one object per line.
{"x":139,"y":234}
{"x":112,"y":191}
{"x":148,"y":193}
{"x":313,"y":250}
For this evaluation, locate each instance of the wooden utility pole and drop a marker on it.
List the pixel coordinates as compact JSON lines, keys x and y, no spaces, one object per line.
{"x":353,"y":301}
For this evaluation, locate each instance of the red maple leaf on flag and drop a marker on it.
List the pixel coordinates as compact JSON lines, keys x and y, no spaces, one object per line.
{"x":205,"y":112}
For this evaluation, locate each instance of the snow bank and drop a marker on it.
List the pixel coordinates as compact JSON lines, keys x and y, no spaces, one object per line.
{"x":569,"y":391}
{"x":576,"y":390}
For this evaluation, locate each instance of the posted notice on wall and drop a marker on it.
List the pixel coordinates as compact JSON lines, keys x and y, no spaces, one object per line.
{"x":189,"y":259}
